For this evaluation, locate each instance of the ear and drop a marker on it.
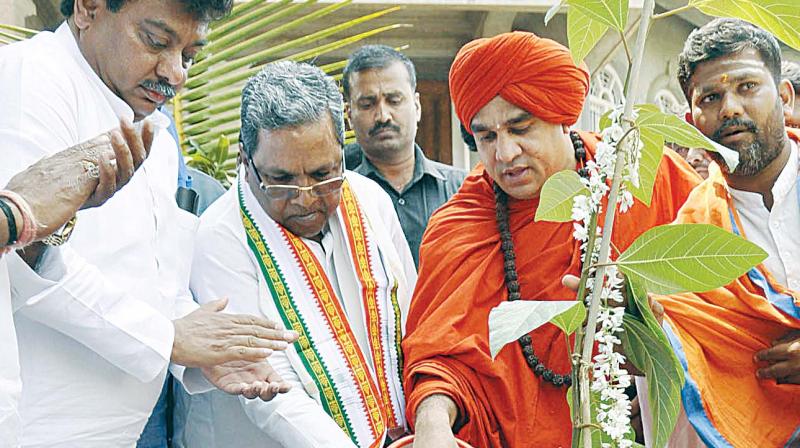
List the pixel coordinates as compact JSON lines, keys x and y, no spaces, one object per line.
{"x":786,"y":91}
{"x":84,"y":12}
{"x":565,"y":129}
{"x":240,"y":159}
{"x":418,"y":106}
{"x":688,"y":118}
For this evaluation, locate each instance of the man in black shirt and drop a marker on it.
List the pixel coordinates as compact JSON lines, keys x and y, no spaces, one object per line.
{"x":383,"y":107}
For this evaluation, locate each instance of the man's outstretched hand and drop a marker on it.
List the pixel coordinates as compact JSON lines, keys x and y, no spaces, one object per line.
{"x":249,"y":379}
{"x":208,"y":337}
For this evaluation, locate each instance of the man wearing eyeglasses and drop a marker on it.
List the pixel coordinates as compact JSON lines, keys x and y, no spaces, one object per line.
{"x":320,"y":249}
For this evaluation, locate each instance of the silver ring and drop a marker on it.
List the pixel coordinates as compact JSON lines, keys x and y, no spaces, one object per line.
{"x":92,"y":170}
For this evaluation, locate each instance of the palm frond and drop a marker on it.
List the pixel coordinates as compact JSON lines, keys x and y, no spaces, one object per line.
{"x":207,"y":110}
{"x":10,"y":34}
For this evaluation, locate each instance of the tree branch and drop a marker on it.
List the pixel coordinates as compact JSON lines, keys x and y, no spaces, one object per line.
{"x":608,"y":225}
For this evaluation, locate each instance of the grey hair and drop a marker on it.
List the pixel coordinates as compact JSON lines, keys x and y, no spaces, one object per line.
{"x":791,"y":72}
{"x":288,"y":94}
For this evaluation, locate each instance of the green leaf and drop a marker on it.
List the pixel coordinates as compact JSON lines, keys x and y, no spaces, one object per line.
{"x":779,"y":17}
{"x":221,"y":153}
{"x":678,"y":258}
{"x":650,"y":159}
{"x":613,"y":13}
{"x":556,"y":197}
{"x":553,"y":11}
{"x":510,"y":320}
{"x":583,"y":33}
{"x":678,"y":131}
{"x":569,"y":321}
{"x":651,"y":353}
{"x":639,"y":307}
{"x":605,"y":120}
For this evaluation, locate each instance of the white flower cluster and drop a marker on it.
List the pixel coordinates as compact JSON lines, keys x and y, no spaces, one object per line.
{"x":609,"y":379}
{"x":613,"y":135}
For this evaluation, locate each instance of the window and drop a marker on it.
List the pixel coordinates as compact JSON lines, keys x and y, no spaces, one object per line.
{"x":605,"y":93}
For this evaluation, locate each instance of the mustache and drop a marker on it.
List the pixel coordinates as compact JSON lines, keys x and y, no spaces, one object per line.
{"x":749,"y":125}
{"x":161,"y":87}
{"x":379,"y":126}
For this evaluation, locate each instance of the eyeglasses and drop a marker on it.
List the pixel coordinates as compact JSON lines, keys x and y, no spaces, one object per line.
{"x":289,"y":192}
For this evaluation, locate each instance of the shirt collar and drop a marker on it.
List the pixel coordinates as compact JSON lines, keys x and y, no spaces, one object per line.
{"x":783,"y":184}
{"x":422,"y":166}
{"x":67,"y":40}
{"x":425,"y":165}
{"x":788,"y":177}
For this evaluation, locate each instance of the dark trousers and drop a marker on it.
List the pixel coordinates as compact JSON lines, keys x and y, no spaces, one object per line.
{"x":158,"y":431}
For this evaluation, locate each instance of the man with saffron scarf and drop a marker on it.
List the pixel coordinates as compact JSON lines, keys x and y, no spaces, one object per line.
{"x":740,"y":345}
{"x":320,"y":249}
{"x":516,"y":94}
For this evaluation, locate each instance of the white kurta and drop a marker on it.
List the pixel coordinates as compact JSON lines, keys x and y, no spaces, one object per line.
{"x":10,"y":381}
{"x":775,"y":230}
{"x":10,"y":384}
{"x":224,"y":266}
{"x":94,"y":348}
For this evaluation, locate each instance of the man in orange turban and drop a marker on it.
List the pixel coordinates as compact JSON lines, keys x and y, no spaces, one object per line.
{"x":516,"y":96}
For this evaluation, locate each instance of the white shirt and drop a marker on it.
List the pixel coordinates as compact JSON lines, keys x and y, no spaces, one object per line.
{"x":777,"y":231}
{"x":94,"y":347}
{"x":10,"y":384}
{"x":223,"y":266}
{"x":10,"y":381}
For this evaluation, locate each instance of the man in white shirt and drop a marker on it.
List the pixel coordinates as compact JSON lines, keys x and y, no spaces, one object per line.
{"x":300,"y":240}
{"x":88,"y":175}
{"x":95,"y":345}
{"x":740,"y":345}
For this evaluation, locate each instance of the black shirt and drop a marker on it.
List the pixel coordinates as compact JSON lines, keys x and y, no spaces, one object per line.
{"x":431,"y":186}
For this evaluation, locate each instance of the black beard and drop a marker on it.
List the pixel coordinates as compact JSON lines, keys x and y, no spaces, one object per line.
{"x":754,"y":157}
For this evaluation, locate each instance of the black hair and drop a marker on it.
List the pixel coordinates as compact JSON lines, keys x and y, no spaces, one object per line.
{"x":722,"y":37}
{"x":376,"y":56}
{"x":203,"y":10}
{"x":469,"y":139}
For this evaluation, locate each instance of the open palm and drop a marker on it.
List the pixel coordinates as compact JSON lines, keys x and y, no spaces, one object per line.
{"x":249,"y":379}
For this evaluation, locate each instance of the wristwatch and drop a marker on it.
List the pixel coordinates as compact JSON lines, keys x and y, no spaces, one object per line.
{"x":62,"y":235}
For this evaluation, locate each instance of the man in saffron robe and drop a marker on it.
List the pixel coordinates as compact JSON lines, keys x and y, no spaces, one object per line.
{"x":516,"y":94}
{"x":739,"y":344}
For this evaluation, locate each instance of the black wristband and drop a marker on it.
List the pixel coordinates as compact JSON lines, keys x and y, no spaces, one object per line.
{"x":12,"y":222}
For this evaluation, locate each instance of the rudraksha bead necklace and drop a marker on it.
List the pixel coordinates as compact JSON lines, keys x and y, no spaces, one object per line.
{"x":510,"y":269}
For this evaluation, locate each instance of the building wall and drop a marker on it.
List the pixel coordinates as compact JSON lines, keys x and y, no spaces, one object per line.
{"x":14,"y":12}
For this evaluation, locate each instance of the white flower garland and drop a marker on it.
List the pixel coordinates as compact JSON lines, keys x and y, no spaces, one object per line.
{"x":609,"y":379}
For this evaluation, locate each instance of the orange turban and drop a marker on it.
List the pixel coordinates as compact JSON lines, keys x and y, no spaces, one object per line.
{"x":528,"y":71}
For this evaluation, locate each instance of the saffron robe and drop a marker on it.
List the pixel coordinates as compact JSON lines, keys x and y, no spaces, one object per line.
{"x":717,"y":333}
{"x":501,"y":403}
